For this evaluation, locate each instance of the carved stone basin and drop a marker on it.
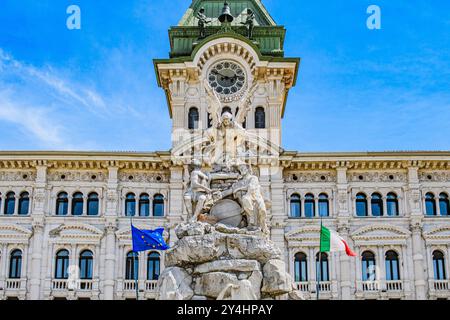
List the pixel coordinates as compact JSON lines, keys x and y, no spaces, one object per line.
{"x":227,"y":212}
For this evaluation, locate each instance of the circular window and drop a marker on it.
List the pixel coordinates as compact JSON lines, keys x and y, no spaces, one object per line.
{"x":323,"y":178}
{"x":130,"y":177}
{"x":25,"y":176}
{"x":158,"y":178}
{"x":361,"y":178}
{"x":63,"y":177}
{"x":391,"y":177}
{"x":294,"y":177}
{"x":93,"y":177}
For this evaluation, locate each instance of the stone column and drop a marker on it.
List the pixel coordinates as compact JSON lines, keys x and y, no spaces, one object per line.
{"x":418,"y":260}
{"x":110,"y":259}
{"x":37,"y":212}
{"x":345,"y":268}
{"x":111,"y":207}
{"x":343,"y":215}
{"x":278,"y":211}
{"x":175,"y":205}
{"x":16,"y":204}
{"x":414,"y":198}
{"x":36,"y":258}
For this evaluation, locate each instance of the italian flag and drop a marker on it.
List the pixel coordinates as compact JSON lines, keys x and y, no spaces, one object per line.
{"x":330,"y":241}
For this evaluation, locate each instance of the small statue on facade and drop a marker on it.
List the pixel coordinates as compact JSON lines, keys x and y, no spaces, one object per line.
{"x":202,"y":22}
{"x":198,"y":192}
{"x":248,"y":192}
{"x":250,"y":23}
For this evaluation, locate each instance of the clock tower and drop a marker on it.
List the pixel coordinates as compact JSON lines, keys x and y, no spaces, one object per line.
{"x":229,"y":55}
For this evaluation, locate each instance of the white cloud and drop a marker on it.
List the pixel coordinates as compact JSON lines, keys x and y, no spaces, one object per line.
{"x":62,"y":87}
{"x":34,"y":121}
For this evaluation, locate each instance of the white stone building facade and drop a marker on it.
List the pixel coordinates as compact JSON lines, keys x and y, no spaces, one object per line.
{"x":65,"y":209}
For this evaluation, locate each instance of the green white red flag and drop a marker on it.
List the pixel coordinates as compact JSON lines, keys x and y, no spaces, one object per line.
{"x":331,"y":241}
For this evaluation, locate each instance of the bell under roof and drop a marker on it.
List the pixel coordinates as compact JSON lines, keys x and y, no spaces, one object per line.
{"x":267,"y":35}
{"x":213,"y":9}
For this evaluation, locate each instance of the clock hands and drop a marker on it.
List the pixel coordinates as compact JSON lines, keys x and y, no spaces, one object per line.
{"x":223,"y":76}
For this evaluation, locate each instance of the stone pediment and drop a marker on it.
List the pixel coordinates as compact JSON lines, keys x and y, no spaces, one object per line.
{"x":11,"y":232}
{"x":304,"y":236}
{"x":441,"y":233}
{"x":76,"y":232}
{"x":380,"y":233}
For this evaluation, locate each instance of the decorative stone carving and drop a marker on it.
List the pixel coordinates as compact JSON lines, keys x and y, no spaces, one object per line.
{"x":434,"y":176}
{"x":72,"y":175}
{"x":17,"y":176}
{"x":309,"y":177}
{"x":377,"y":177}
{"x":144,"y":177}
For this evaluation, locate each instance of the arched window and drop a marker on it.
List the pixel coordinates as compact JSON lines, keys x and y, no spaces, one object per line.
{"x":310,"y":206}
{"x":130,"y":205}
{"x":260,"y":118}
{"x":24,"y":203}
{"x":226,"y":109}
{"x":92,"y":204}
{"x":158,"y":205}
{"x":86,"y":265}
{"x":322,"y":266}
{"x":430,"y":204}
{"x":377,"y":205}
{"x":296,"y":211}
{"x":153,"y":266}
{"x":301,"y":267}
{"x":439,"y":265}
{"x":132,"y":266}
{"x":62,"y":264}
{"x":392,"y":204}
{"x":361,"y":205}
{"x":324,"y":206}
{"x":193,"y":118}
{"x":444,"y":204}
{"x":144,"y":205}
{"x":62,"y":203}
{"x":368,"y":266}
{"x":392,"y":266}
{"x":77,"y":204}
{"x":15,"y":264}
{"x":10,"y":203}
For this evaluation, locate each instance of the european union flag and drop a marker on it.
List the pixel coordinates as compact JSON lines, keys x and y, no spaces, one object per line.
{"x":144,"y":240}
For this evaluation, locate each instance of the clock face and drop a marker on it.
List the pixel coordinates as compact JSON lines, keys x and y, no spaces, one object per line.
{"x":227,"y":78}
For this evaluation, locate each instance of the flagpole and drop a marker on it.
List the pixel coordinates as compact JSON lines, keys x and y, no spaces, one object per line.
{"x":136,"y":283}
{"x":319,"y":274}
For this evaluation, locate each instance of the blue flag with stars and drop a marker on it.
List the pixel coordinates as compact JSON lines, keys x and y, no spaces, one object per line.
{"x":144,"y":240}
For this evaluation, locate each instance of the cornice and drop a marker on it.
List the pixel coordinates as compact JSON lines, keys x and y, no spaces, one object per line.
{"x":438,"y":160}
{"x":84,"y":160}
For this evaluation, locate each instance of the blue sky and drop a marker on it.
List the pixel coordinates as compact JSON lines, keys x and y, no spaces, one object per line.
{"x":95,"y":88}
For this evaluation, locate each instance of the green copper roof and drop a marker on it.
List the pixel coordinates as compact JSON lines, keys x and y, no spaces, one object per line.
{"x":213,"y":8}
{"x":268,"y":36}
